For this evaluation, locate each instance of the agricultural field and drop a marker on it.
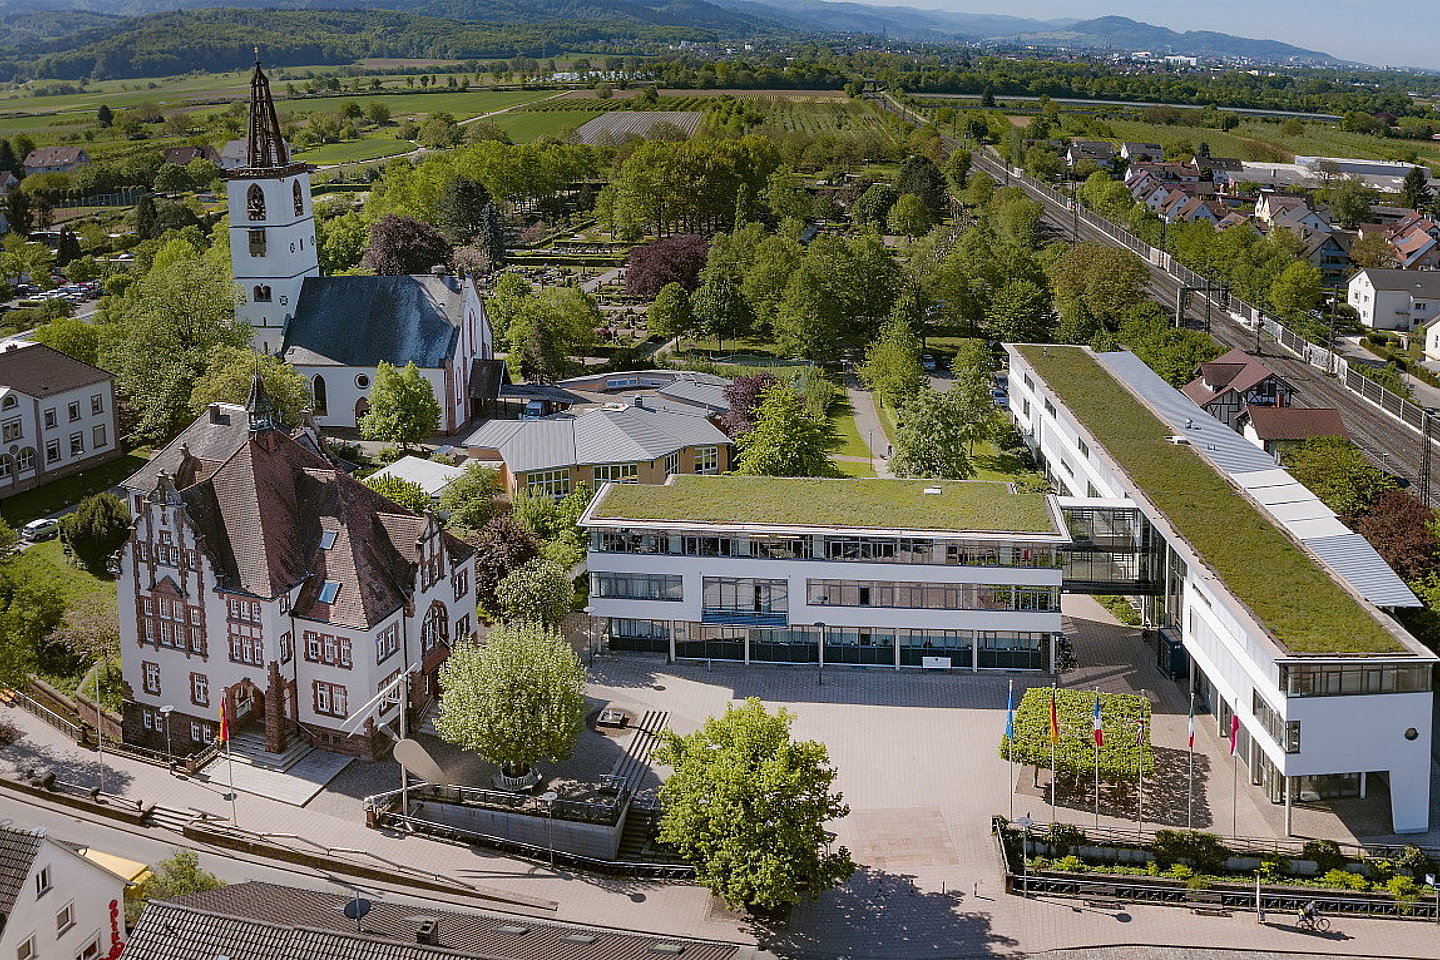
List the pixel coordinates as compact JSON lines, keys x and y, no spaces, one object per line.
{"x":355,"y":151}
{"x":460,"y":104}
{"x":525,"y":125}
{"x":823,"y":115}
{"x":618,"y":125}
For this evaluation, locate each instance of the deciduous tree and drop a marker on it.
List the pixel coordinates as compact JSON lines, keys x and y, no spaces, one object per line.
{"x":472,"y":499}
{"x":1402,"y":531}
{"x":749,"y":807}
{"x":552,"y":326}
{"x":670,"y":315}
{"x":404,"y":493}
{"x":891,"y":368}
{"x":721,"y":310}
{"x":98,"y":527}
{"x":536,"y":592}
{"x":517,"y":701}
{"x":1020,"y":312}
{"x":744,"y":395}
{"x":909,"y":217}
{"x":934,"y":435}
{"x":230,"y":372}
{"x":460,"y":211}
{"x":920,"y":176}
{"x":501,"y":545}
{"x":1337,"y":472}
{"x":403,"y":408}
{"x":677,"y":259}
{"x":787,"y":441}
{"x":403,"y":245}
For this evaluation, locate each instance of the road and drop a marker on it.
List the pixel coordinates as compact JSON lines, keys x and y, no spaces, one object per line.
{"x":1391,"y":445}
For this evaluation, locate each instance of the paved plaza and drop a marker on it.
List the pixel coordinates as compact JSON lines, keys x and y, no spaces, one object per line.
{"x":919,"y":765}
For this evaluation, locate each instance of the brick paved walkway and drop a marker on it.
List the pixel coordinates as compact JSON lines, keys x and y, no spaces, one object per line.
{"x":918,"y":763}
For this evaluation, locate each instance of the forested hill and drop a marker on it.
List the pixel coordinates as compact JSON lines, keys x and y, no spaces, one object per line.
{"x":223,"y":39}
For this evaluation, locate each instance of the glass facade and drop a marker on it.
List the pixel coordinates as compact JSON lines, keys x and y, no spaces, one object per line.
{"x":855,"y":646}
{"x":638,"y":586}
{"x":909,"y":550}
{"x":1339,"y":680}
{"x":931,"y":596}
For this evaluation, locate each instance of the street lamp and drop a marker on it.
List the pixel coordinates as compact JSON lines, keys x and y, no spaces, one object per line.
{"x":820,"y":654}
{"x":550,"y":796}
{"x":1025,"y":824}
{"x":165,"y":712}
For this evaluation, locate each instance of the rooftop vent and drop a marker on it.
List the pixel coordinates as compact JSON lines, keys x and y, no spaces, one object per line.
{"x":1178,"y":441}
{"x":934,"y":491}
{"x":513,"y":929}
{"x":579,"y":938}
{"x":428,"y":932}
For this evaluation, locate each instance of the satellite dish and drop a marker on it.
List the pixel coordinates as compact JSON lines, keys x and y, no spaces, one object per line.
{"x":411,"y":755}
{"x":357,"y":908}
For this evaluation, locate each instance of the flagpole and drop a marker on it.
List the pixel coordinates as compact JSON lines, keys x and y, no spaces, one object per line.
{"x":1054,"y":733}
{"x":1190,"y":780}
{"x":1140,"y":742}
{"x":1010,"y":743}
{"x":1098,"y":738}
{"x":230,"y":762}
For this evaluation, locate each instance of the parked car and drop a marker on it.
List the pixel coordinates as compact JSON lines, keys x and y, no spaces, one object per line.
{"x":43,"y":529}
{"x":928,"y":362}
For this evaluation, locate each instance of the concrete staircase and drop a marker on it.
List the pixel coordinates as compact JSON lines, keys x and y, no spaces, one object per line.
{"x":633,"y":765}
{"x":248,"y":747}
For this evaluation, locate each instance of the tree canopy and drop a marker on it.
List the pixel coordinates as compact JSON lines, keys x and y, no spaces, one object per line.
{"x":403,"y":408}
{"x":787,"y":440}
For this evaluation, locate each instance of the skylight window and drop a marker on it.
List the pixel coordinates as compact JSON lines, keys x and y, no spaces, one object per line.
{"x":327,"y":539}
{"x":329,"y":590}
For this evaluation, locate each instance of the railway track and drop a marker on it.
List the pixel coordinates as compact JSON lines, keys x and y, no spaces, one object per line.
{"x":1389,"y":444}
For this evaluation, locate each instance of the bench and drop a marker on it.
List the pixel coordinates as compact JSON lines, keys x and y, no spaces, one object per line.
{"x":1101,"y":897}
{"x":1204,"y":904}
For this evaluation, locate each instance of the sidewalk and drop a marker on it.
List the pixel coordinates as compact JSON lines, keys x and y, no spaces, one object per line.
{"x":871,"y":428}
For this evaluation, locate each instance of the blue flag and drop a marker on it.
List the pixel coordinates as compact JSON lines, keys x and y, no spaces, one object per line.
{"x":1010,"y":712}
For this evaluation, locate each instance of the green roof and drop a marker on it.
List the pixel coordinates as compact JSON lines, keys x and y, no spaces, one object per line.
{"x":1292,"y":596}
{"x":961,"y":506}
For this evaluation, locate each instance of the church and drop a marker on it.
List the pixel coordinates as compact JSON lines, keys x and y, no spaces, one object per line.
{"x":336,"y":330}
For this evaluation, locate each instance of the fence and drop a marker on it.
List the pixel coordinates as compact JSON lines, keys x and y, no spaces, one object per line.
{"x":35,"y":708}
{"x":1240,"y":895}
{"x":124,"y":197}
{"x":1316,"y":355}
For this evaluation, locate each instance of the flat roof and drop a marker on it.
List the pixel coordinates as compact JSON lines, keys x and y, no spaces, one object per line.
{"x":1293,"y":597}
{"x":961,"y":506}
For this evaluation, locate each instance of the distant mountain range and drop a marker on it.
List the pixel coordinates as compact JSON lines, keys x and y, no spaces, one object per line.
{"x":59,"y":27}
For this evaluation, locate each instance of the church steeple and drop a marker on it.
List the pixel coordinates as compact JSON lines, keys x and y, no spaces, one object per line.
{"x":262,"y":411}
{"x":264,"y":146}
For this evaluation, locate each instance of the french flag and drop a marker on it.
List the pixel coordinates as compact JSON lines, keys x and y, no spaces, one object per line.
{"x":1099,"y":730}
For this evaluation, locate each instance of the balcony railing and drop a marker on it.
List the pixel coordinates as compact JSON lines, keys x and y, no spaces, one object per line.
{"x":744,"y":618}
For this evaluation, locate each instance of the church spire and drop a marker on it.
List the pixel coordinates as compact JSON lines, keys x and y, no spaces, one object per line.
{"x":262,"y":411}
{"x":264,"y":146}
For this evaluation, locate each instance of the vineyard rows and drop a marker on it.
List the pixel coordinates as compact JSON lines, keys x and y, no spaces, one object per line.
{"x":616,"y":126}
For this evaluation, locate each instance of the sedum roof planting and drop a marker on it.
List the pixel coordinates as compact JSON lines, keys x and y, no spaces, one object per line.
{"x":1295,"y":599}
{"x":960,"y":506}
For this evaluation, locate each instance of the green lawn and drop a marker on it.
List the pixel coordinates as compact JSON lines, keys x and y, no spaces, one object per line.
{"x":524,"y":126}
{"x":59,"y":494}
{"x":1297,"y":601}
{"x":992,"y":463}
{"x":858,"y":471}
{"x":851,"y":444}
{"x":356,"y":150}
{"x":46,"y":561}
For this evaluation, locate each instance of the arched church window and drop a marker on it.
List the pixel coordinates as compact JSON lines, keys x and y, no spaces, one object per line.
{"x":299,"y":200}
{"x":262,"y":293}
{"x":255,"y":202}
{"x":317,"y":393}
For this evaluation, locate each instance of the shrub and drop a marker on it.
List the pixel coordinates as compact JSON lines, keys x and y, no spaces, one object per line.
{"x":1415,"y":861}
{"x":1070,"y":865}
{"x":9,"y":733}
{"x":1203,"y":851}
{"x":1273,"y":865}
{"x":1379,"y":870}
{"x":1325,"y":853}
{"x":389,"y":454}
{"x":1345,"y":880}
{"x":1403,"y":889}
{"x":1062,"y":837}
{"x":1181,"y":872}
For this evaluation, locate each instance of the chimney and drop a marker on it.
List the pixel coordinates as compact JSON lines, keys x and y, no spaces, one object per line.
{"x":428,"y":932}
{"x":439,"y":270}
{"x":215,"y":416}
{"x":638,"y":401}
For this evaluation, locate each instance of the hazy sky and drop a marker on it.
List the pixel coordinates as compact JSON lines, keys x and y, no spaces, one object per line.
{"x":1382,"y":32}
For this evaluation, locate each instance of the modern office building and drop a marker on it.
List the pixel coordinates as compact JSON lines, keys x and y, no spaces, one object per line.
{"x":1272,"y":610}
{"x":890,"y":573}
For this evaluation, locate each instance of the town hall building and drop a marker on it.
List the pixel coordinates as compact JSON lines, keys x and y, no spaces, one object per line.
{"x":259,"y":574}
{"x":336,"y":330}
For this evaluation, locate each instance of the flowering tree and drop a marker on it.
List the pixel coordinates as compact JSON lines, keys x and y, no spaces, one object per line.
{"x":537,"y":592}
{"x":516,"y":701}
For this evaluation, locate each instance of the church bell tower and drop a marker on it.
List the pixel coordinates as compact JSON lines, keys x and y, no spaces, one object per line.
{"x":272,"y":224}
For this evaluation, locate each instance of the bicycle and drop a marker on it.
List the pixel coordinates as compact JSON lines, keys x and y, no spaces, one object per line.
{"x":1317,"y":923}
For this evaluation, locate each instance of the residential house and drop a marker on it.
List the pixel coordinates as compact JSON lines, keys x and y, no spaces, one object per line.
{"x":625,"y":442}
{"x":928,"y":574}
{"x":1193,"y":209}
{"x":260,"y":575}
{"x":8,"y":183}
{"x":1098,"y":152}
{"x":1395,"y":299}
{"x":1226,"y":386}
{"x":1329,"y":252}
{"x":57,"y":416}
{"x":264,"y":921}
{"x":184,"y":155}
{"x":1415,"y":242}
{"x":1273,"y":429}
{"x":1291,"y":213}
{"x":55,"y":903}
{"x":232,"y":155}
{"x":55,"y":160}
{"x":1146,"y":152}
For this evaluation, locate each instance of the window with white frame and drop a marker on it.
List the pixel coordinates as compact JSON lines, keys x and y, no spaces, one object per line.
{"x":328,"y":649}
{"x":388,"y":643}
{"x":25,"y":460}
{"x":97,"y":403}
{"x":199,"y":732}
{"x":461,"y":582}
{"x":73,"y":410}
{"x":52,"y":418}
{"x":618,"y":472}
{"x":707,"y":460}
{"x":10,"y":430}
{"x":65,"y":919}
{"x":52,"y":451}
{"x":672,"y":463}
{"x":26,"y":950}
{"x":550,"y":483}
{"x":42,"y":882}
{"x":330,"y":699}
{"x":91,"y":951}
{"x":77,"y":444}
{"x":151,"y":674}
{"x":199,"y":689}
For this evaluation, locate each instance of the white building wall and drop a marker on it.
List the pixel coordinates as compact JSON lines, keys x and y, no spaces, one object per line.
{"x":94,"y":896}
{"x":344,"y":390}
{"x":1339,"y":735}
{"x":290,"y":253}
{"x":26,"y":422}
